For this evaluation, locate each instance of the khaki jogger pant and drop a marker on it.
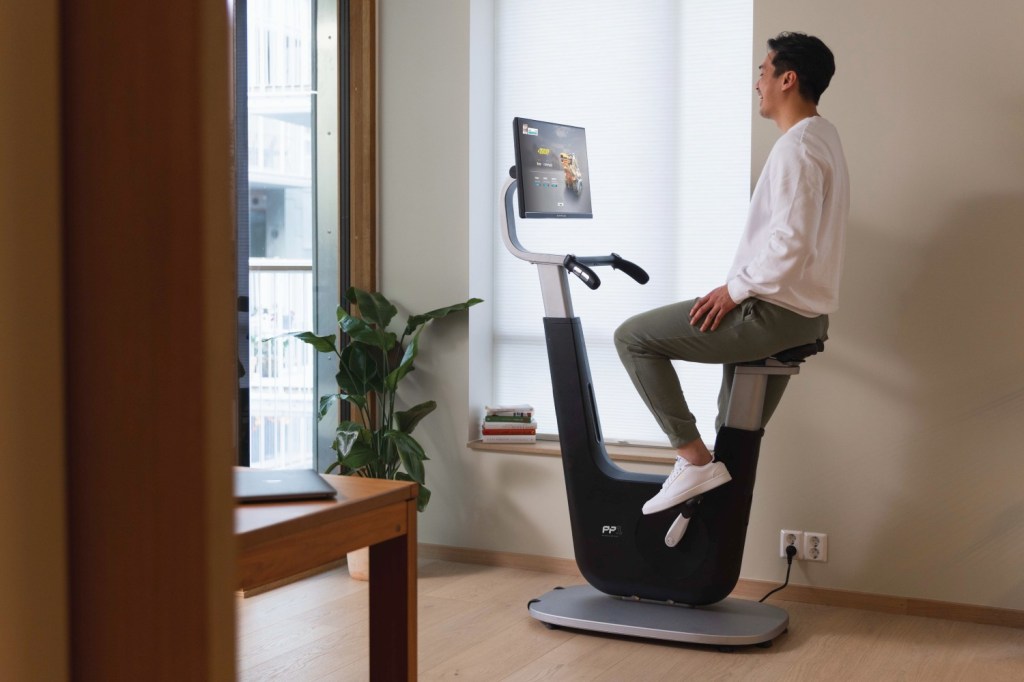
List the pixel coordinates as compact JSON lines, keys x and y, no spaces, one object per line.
{"x":648,"y":342}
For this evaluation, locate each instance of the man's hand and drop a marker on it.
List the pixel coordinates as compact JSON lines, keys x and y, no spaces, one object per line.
{"x":712,"y":308}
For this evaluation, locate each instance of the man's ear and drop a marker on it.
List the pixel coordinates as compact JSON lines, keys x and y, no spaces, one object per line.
{"x":789,"y":80}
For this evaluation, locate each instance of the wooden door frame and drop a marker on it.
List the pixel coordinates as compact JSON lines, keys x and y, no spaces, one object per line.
{"x":363,"y":143}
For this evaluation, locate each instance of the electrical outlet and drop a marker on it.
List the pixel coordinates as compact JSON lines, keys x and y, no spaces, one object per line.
{"x":815,"y":547}
{"x":791,"y":537}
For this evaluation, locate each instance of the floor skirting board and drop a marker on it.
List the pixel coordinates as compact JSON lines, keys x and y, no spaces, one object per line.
{"x":755,"y":589}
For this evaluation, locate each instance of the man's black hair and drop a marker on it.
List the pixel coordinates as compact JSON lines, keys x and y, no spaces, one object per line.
{"x":809,"y":57}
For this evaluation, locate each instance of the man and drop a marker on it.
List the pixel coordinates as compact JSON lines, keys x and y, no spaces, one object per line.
{"x":784,"y":280}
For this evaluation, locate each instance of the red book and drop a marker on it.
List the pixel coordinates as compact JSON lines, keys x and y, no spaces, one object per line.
{"x":509,"y":432}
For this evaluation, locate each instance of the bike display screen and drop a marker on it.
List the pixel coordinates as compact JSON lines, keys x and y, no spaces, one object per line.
{"x":551,"y":169}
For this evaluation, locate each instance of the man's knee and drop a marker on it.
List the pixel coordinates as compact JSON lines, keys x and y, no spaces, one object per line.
{"x":626,"y":333}
{"x":619,"y":337}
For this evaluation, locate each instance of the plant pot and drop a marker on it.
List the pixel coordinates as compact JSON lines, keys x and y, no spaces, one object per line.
{"x":359,"y":563}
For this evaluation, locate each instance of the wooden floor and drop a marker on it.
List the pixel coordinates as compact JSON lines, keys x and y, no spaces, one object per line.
{"x":474,"y":625}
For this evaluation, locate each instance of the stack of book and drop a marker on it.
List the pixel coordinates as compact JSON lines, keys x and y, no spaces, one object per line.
{"x":509,"y":424}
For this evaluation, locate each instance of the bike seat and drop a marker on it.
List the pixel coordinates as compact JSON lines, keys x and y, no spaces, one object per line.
{"x":791,"y":356}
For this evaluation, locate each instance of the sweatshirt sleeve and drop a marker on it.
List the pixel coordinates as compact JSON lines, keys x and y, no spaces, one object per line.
{"x":795,"y":206}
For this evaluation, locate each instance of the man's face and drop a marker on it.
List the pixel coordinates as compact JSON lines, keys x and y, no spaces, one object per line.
{"x":768,"y":87}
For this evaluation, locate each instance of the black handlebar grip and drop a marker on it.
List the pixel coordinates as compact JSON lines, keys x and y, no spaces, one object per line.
{"x":588,"y":276}
{"x":631,"y":269}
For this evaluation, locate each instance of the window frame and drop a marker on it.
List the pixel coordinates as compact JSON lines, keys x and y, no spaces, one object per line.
{"x":346,"y":213}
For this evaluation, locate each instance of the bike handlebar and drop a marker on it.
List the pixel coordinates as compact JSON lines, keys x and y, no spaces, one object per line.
{"x":579,"y":266}
{"x":586,"y":275}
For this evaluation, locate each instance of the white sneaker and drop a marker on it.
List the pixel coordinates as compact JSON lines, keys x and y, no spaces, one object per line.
{"x":685,"y":482}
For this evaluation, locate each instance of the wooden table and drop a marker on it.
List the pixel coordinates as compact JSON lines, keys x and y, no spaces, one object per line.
{"x":279,"y":540}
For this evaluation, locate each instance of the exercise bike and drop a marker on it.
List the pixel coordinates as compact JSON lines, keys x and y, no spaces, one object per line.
{"x":664,"y":576}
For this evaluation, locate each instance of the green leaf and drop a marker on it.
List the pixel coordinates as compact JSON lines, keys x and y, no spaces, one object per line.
{"x":323,"y":344}
{"x":417,"y":320}
{"x":405,"y":366}
{"x":358,"y":371}
{"x":373,"y":307}
{"x":360,"y":455}
{"x":354,"y":445}
{"x":357,"y":400}
{"x":362,"y":332}
{"x":326,"y":402}
{"x":361,"y":432}
{"x":349,"y":435}
{"x":423,"y":497}
{"x":357,"y":328}
{"x":407,"y":420}
{"x":410,"y":452}
{"x":333,"y":465}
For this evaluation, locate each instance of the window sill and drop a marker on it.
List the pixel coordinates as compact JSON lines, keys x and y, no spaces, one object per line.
{"x":645,"y":454}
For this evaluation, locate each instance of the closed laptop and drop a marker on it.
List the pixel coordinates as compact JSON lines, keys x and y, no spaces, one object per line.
{"x":279,"y":485}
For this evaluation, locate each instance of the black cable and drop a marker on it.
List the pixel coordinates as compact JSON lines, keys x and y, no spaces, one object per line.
{"x":790,"y":553}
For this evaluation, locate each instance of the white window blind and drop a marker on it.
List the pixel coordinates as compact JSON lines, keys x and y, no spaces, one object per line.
{"x":663,"y":88}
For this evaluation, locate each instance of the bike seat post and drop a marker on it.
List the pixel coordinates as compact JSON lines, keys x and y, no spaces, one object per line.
{"x":746,"y":401}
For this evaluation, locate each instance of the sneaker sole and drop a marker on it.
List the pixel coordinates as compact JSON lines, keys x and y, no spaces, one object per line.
{"x":693,"y":492}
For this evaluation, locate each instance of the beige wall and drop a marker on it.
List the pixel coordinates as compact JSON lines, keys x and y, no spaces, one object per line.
{"x":902,"y":441}
{"x":33,"y":593}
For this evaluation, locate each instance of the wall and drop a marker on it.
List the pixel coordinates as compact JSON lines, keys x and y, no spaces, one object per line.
{"x":900,"y":442}
{"x":33,"y":591}
{"x":435,"y":161}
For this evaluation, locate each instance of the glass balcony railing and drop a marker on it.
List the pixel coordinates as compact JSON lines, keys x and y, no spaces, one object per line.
{"x":280,"y":48}
{"x":281,"y":401}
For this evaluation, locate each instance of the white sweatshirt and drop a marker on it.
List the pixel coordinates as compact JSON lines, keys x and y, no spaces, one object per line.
{"x":791,"y":252}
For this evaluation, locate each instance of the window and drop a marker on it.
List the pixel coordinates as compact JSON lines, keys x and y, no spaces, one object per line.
{"x":290,"y":279}
{"x":663,"y":89}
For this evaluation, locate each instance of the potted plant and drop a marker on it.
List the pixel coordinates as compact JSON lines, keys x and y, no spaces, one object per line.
{"x":378,"y":443}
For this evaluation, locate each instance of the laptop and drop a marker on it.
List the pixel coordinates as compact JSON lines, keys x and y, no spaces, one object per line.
{"x":280,"y":485}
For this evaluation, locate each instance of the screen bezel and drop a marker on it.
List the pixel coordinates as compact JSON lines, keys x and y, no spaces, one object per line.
{"x":520,"y":175}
